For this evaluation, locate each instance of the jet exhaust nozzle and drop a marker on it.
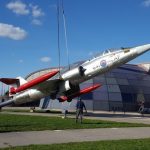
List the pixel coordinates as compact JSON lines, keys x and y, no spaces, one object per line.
{"x":9,"y":102}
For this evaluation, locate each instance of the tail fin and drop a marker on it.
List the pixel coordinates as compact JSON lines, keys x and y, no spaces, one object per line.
{"x":14,"y":83}
{"x":21,"y":80}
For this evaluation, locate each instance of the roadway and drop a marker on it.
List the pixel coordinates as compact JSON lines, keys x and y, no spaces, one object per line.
{"x":64,"y":136}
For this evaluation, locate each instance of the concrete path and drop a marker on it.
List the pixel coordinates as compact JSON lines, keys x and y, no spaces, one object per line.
{"x":65,"y":136}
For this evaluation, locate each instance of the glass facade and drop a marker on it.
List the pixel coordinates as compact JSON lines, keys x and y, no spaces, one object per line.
{"x":122,"y":89}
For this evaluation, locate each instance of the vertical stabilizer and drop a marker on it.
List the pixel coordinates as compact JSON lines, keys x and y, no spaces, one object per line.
{"x":21,"y":80}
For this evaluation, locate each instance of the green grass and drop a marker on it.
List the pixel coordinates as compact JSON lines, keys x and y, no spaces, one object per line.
{"x":15,"y":110}
{"x":142,"y":144}
{"x":11,"y":122}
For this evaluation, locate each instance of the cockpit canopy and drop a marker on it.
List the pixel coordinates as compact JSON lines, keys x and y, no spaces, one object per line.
{"x":106,"y":52}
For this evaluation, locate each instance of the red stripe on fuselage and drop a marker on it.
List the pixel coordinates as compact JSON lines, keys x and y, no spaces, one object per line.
{"x":35,"y":82}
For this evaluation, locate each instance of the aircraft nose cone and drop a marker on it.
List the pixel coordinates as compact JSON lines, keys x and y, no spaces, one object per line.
{"x":142,"y":49}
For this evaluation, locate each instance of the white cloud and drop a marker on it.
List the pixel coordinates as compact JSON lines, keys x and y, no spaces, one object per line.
{"x":36,"y":22}
{"x":20,"y":61}
{"x":45,"y":59}
{"x":18,"y":7}
{"x":36,"y":11}
{"x":9,"y":31}
{"x":146,"y":3}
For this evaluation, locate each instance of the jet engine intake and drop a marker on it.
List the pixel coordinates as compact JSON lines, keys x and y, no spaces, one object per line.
{"x":81,"y":70}
{"x":64,"y":86}
{"x":74,"y":73}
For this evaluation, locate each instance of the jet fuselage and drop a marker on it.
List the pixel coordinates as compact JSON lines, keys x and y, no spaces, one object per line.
{"x":71,"y":78}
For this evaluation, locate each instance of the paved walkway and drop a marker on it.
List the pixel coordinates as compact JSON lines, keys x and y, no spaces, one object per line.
{"x":65,"y":136}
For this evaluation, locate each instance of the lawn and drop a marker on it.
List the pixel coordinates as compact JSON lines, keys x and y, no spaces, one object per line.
{"x":11,"y":122}
{"x":142,"y":144}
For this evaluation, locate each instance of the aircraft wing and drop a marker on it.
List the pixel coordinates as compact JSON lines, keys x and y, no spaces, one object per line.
{"x":48,"y":85}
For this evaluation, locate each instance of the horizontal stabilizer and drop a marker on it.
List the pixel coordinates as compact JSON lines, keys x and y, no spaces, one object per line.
{"x":9,"y":81}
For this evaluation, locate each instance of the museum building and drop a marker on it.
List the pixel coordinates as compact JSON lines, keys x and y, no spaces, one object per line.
{"x":123,"y":89}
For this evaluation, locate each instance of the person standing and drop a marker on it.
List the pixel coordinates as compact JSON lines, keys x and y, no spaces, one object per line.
{"x":79,"y":110}
{"x":141,"y":109}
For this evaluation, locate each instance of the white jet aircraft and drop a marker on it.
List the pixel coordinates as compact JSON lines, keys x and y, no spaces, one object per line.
{"x":64,"y":84}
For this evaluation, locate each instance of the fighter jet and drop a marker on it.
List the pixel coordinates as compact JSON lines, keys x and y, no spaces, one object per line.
{"x":64,"y":84}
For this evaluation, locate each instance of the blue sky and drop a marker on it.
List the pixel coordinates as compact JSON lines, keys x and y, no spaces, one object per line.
{"x":28,"y":31}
